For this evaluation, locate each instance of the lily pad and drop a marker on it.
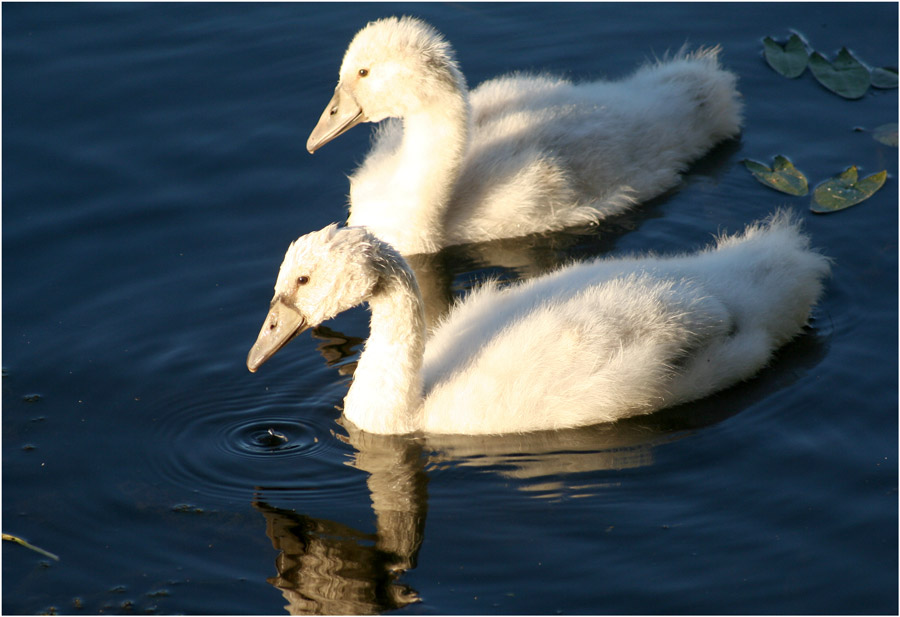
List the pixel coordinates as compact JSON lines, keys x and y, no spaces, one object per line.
{"x":789,"y":60}
{"x":884,"y":78}
{"x":845,"y":76}
{"x":782,"y":177}
{"x":845,"y":190}
{"x":886,"y":134}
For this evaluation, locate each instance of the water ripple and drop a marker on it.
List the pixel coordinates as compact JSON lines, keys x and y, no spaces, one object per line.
{"x":237,"y":442}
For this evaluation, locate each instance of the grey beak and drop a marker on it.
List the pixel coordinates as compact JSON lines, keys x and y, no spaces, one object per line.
{"x":282,"y":324}
{"x":341,"y":114}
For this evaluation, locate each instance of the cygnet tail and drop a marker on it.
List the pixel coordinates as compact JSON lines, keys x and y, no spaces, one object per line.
{"x":767,"y":280}
{"x":677,"y":110}
{"x":771,"y":272}
{"x":666,"y":115}
{"x":717,"y":102}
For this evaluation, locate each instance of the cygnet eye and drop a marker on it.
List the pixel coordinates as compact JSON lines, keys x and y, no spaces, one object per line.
{"x":302,"y":280}
{"x":363,"y":72}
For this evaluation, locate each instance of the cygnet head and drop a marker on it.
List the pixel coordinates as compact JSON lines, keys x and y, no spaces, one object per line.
{"x":393,"y":68}
{"x":323,"y":273}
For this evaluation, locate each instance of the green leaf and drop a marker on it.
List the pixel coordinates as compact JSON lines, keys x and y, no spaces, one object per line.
{"x":845,"y":76}
{"x":782,"y":177}
{"x":886,"y":134}
{"x":884,"y":78}
{"x":845,"y":190}
{"x":789,"y":60}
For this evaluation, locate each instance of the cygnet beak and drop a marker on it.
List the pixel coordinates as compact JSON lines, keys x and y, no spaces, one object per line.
{"x":282,"y":324}
{"x":341,"y":114}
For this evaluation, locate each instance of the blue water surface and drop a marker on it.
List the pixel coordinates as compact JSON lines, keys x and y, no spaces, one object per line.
{"x":154,"y":172}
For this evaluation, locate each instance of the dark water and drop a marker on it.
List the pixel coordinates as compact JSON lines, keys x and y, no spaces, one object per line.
{"x":154,"y":172}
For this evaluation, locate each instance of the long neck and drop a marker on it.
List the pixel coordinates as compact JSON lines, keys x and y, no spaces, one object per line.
{"x":407,"y":207}
{"x":386,"y":393}
{"x":435,"y":138}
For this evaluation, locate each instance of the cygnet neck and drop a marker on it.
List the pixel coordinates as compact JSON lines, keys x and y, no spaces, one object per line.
{"x":387,"y":393}
{"x":435,"y":138}
{"x":427,"y":166}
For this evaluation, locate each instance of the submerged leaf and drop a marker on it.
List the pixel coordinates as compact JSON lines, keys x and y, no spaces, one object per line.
{"x":782,"y":177}
{"x":789,"y":60}
{"x":845,"y":190}
{"x":884,"y":78}
{"x":886,"y":134}
{"x":845,"y":76}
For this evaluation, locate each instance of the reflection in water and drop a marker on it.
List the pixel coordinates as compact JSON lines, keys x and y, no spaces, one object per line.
{"x":326,"y":568}
{"x":550,"y":453}
{"x":336,"y":347}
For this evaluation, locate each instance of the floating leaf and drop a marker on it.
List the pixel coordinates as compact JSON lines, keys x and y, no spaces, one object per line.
{"x":845,"y":76}
{"x":782,"y":177}
{"x":884,"y":78}
{"x":845,"y":190}
{"x":886,"y":134}
{"x":789,"y":60}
